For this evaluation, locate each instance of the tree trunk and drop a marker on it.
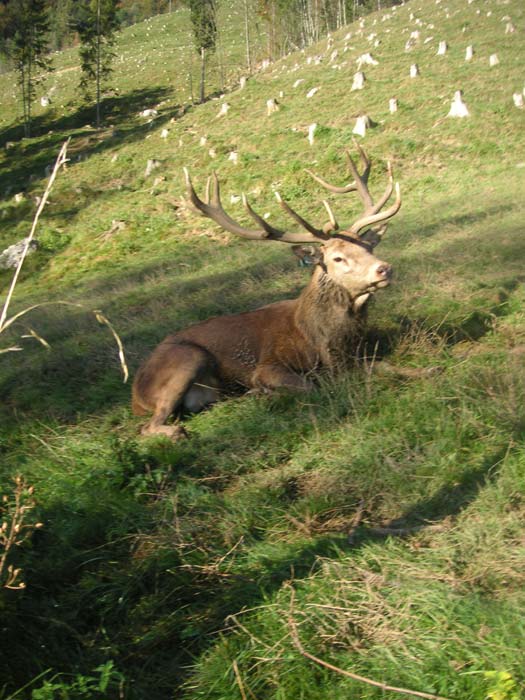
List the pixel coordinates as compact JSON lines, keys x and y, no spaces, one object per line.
{"x":98,"y":63}
{"x":247,"y":37}
{"x":203,"y":73}
{"x":27,"y":126}
{"x":220,"y":57}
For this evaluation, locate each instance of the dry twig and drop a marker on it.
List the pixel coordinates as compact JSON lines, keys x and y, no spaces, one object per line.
{"x":6,"y":322}
{"x":14,"y":530}
{"x":98,"y":315}
{"x":60,"y":161}
{"x":403,"y":531}
{"x":356,"y":520}
{"x":239,"y":680}
{"x":294,"y":634}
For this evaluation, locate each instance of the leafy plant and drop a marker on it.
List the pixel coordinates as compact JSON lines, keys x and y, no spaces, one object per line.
{"x":82,"y":687}
{"x":501,"y":686}
{"x":16,"y":528}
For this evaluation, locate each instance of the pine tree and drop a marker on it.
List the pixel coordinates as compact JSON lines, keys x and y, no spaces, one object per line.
{"x":60,"y":29}
{"x":203,"y":14}
{"x":96,"y":22}
{"x":25,"y":33}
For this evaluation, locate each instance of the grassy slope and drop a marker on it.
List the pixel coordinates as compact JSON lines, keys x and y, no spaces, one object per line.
{"x":149,"y":547}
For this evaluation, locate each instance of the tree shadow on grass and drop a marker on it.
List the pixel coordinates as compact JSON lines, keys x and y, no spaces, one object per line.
{"x":171,"y":611}
{"x":80,"y":374}
{"x":29,"y":158}
{"x":448,"y":501}
{"x":174,"y":610}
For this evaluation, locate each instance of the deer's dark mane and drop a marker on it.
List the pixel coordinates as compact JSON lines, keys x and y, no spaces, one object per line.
{"x":327,"y":316}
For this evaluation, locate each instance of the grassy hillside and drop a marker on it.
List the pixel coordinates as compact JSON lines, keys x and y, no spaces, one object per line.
{"x":378,"y":522}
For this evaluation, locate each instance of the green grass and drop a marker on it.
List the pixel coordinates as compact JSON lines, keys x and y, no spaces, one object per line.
{"x":160,"y":565}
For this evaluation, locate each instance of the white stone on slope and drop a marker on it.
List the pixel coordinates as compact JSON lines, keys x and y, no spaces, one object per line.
{"x":225,"y":108}
{"x":458,"y":108}
{"x":272,"y":106}
{"x":311,"y":133}
{"x":359,"y":81}
{"x":518,"y":100}
{"x":361,"y":125}
{"x":366,"y":59}
{"x":151,"y":165}
{"x":10,"y":257}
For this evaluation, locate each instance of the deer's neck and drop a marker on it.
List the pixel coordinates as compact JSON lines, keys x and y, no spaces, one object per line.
{"x":330,"y":318}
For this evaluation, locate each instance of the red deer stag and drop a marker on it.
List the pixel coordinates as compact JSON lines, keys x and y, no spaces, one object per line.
{"x":278,"y":344}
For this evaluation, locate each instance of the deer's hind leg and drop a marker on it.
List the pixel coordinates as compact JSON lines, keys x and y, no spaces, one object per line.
{"x":176,"y":376}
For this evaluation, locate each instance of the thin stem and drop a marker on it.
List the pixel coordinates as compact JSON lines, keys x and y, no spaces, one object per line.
{"x":61,"y":159}
{"x":99,"y":38}
{"x":363,"y":679}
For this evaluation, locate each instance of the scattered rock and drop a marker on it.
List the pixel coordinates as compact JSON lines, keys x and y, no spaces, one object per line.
{"x":10,"y":257}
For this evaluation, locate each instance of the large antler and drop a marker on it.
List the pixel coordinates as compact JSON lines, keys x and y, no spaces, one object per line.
{"x":372,"y":213}
{"x":352,"y":186}
{"x":213,"y":209}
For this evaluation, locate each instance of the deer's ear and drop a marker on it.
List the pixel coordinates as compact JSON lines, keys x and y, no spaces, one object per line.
{"x":308,"y":255}
{"x":373,"y":236}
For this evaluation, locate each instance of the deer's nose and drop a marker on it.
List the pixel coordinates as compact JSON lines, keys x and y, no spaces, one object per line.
{"x":384,"y":270}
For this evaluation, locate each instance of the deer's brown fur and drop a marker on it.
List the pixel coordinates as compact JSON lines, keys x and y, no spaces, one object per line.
{"x":278,"y":345}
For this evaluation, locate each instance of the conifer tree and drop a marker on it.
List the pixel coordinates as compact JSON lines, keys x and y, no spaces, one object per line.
{"x":96,"y":22}
{"x":25,"y":34}
{"x":203,"y":14}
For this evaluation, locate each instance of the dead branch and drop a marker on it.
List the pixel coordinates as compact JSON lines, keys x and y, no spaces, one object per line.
{"x":60,"y":161}
{"x":5,"y":322}
{"x":98,"y":315}
{"x":239,"y":680}
{"x":294,"y":635}
{"x":403,"y":531}
{"x":356,"y":520}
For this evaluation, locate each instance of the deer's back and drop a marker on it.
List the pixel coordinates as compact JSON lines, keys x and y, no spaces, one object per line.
{"x":238,"y":343}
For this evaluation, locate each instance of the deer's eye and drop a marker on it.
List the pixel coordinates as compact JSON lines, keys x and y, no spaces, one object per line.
{"x":338,"y":259}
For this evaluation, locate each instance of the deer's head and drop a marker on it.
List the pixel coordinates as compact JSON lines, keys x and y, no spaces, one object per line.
{"x":345,"y":256}
{"x":352,"y":265}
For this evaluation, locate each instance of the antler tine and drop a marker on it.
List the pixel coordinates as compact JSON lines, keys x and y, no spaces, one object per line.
{"x":367,"y":163}
{"x":317,"y":233}
{"x":213,"y":209}
{"x":269,"y":230}
{"x":332,"y":225}
{"x":388,"y":191}
{"x":368,"y":219}
{"x":361,"y":181}
{"x":351,"y":187}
